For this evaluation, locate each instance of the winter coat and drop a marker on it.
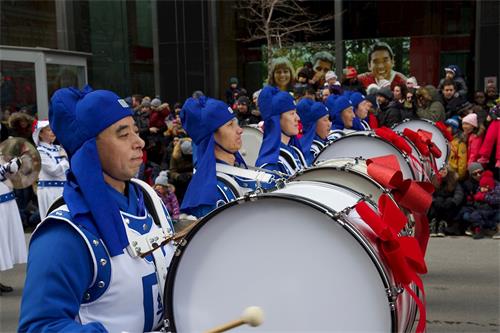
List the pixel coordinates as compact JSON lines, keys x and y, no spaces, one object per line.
{"x":171,"y":202}
{"x":470,"y":187}
{"x":491,"y":139}
{"x":434,"y":109}
{"x":142,"y":122}
{"x":452,"y":106}
{"x":493,"y":197}
{"x":449,"y":200}
{"x":474,"y":142}
{"x":389,"y":115}
{"x":487,"y":200}
{"x":458,"y":156}
{"x":157,"y":119}
{"x":181,"y":166}
{"x":409,"y":111}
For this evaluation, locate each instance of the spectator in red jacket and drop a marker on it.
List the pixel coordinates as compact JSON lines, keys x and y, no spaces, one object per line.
{"x":474,"y":136}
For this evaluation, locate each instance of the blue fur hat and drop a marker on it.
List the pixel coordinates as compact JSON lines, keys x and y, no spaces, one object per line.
{"x":77,"y":118}
{"x":272,"y":103}
{"x":310,"y":112}
{"x":356,"y":98}
{"x":201,"y":117}
{"x":339,"y":105}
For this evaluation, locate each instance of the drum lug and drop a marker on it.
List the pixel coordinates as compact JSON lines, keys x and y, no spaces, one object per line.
{"x":166,"y":325}
{"x":393,"y":293}
{"x":251,"y":197}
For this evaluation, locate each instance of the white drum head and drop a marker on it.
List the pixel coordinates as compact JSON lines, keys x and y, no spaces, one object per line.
{"x":284,"y":254}
{"x":437,"y":137}
{"x":251,"y":141}
{"x":365,"y":146}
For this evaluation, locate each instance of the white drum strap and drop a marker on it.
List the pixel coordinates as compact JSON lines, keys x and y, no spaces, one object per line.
{"x":258,"y":176}
{"x":160,"y":261}
{"x":302,"y":159}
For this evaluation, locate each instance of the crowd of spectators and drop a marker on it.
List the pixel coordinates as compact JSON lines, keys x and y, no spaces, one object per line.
{"x":467,"y":192}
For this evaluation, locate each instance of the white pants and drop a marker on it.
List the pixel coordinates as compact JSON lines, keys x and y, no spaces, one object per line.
{"x":46,"y":196}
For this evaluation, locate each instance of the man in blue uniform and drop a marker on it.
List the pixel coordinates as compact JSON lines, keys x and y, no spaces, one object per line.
{"x":280,"y":150}
{"x":88,"y":266}
{"x":221,"y":173}
{"x":316,"y":126}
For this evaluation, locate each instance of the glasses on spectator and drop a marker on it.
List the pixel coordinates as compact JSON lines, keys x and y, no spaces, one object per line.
{"x":477,"y":173}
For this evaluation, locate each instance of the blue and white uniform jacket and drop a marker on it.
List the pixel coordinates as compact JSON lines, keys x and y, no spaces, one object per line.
{"x":291,"y":160}
{"x":229,"y":188}
{"x":317,"y":146}
{"x":75,"y":286}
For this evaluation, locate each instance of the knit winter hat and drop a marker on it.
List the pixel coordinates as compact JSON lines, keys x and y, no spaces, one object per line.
{"x":330,"y":75}
{"x":187,"y":147}
{"x":471,"y":119}
{"x":156,"y":102}
{"x":453,"y":122}
{"x":356,"y":98}
{"x":487,"y":180}
{"x":162,"y":178}
{"x":385,"y":92}
{"x":474,"y":166}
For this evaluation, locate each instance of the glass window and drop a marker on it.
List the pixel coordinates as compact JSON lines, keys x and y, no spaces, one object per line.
{"x":60,"y":76}
{"x":18,"y":87}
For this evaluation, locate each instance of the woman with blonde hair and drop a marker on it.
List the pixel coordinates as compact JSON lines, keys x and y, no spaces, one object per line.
{"x":282,"y":74}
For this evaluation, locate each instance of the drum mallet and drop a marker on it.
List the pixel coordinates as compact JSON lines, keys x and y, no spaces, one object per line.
{"x":252,"y":316}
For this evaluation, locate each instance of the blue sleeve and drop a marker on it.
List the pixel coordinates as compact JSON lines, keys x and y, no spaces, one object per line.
{"x":201,"y":210}
{"x":59,"y":272}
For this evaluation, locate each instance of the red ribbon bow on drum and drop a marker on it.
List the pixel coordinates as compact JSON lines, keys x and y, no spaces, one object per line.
{"x":403,"y":254}
{"x":423,"y":140}
{"x":442,"y":127}
{"x":392,"y":137}
{"x":412,"y":195}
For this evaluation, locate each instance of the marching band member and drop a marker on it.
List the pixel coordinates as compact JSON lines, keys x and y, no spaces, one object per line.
{"x":54,"y":165}
{"x":83,"y":274}
{"x":12,"y":242}
{"x":280,"y":150}
{"x":316,"y":127}
{"x":341,"y":114}
{"x":362,"y":106}
{"x":214,"y":129}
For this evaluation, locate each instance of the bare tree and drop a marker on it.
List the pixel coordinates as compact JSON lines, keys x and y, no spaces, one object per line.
{"x":277,"y":21}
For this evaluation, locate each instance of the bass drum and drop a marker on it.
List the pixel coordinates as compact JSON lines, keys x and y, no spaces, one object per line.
{"x":290,"y":253}
{"x":366,"y":145}
{"x":437,"y":137}
{"x":251,"y":141}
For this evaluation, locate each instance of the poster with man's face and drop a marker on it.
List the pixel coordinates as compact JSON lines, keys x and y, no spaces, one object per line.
{"x":375,"y":59}
{"x":380,"y":68}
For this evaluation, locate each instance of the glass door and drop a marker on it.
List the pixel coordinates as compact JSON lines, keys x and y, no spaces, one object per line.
{"x":29,"y":76}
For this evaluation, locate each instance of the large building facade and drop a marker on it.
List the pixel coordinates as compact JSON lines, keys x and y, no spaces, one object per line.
{"x":171,"y":48}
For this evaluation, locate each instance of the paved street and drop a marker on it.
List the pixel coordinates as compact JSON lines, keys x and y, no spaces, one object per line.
{"x":462,"y":286}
